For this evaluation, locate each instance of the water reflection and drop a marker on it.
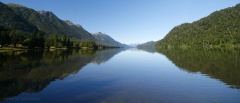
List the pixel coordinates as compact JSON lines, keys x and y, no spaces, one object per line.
{"x":221,"y":64}
{"x":150,"y":49}
{"x":32,"y":71}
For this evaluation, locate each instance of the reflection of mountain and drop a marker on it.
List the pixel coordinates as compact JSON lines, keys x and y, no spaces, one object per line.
{"x":220,"y":64}
{"x":148,"y":46}
{"x":33,"y":71}
{"x":104,"y":55}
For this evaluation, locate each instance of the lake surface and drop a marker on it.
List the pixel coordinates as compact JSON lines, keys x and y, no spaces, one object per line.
{"x":120,"y":76}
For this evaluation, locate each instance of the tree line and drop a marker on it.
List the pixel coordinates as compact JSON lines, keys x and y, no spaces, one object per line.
{"x":11,"y":37}
{"x":15,"y":38}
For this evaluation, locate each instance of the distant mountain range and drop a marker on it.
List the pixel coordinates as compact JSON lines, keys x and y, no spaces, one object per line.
{"x":134,"y":44}
{"x":106,"y":40}
{"x":220,"y":29}
{"x":148,"y":46}
{"x":27,"y":20}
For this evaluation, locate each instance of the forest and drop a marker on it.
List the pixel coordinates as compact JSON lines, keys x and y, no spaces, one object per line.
{"x":23,"y":27}
{"x":17,"y":39}
{"x":218,"y":30}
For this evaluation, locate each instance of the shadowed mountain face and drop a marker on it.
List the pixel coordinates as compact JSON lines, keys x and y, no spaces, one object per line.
{"x":10,"y":19}
{"x":221,"y":64}
{"x":50,"y":23}
{"x":29,"y":71}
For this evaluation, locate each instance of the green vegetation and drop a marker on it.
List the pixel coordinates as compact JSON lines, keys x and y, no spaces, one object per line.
{"x":16,"y":39}
{"x":9,"y":19}
{"x":220,"y":29}
{"x":49,"y":23}
{"x":222,"y":64}
{"x":13,"y":38}
{"x":56,"y":42}
{"x":22,"y":25}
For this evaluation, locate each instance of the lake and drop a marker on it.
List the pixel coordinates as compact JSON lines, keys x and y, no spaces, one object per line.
{"x":120,"y":76}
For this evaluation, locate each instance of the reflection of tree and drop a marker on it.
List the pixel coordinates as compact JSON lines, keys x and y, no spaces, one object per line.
{"x":13,"y":71}
{"x":220,"y":64}
{"x":88,"y":52}
{"x":12,"y":60}
{"x":33,"y":71}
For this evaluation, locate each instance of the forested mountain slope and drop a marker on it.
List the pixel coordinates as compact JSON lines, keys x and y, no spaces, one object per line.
{"x":17,"y":21}
{"x":49,"y":23}
{"x":219,"y":29}
{"x":9,"y":19}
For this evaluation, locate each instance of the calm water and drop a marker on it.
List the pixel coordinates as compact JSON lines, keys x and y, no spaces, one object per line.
{"x":120,"y":76}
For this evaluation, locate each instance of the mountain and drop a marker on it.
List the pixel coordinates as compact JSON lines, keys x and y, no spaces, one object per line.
{"x":219,"y":29}
{"x":24,"y":19}
{"x":148,"y":46}
{"x":9,"y":19}
{"x":49,"y":23}
{"x":106,"y":40}
{"x":134,"y":44}
{"x":80,"y":30}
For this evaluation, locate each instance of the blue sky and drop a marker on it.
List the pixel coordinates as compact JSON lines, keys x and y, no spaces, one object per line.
{"x":129,"y":21}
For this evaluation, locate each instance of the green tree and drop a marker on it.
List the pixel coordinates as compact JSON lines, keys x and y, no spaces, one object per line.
{"x":16,"y":38}
{"x":56,"y":41}
{"x":4,"y":37}
{"x":68,"y":43}
{"x":64,"y":41}
{"x":40,"y":41}
{"x":35,"y":40}
{"x":49,"y":42}
{"x":29,"y":42}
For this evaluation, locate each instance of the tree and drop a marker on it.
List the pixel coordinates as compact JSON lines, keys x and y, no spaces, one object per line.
{"x":49,"y":42}
{"x":29,"y":42}
{"x":68,"y":43}
{"x":91,"y":44}
{"x":16,"y":38}
{"x":4,"y":37}
{"x":55,"y":39}
{"x":64,"y":41}
{"x":35,"y":40}
{"x":40,"y":41}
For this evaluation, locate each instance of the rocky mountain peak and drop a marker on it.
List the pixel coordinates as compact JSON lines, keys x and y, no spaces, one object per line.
{"x":69,"y":22}
{"x":47,"y":13}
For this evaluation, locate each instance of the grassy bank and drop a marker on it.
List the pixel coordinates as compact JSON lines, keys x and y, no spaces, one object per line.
{"x":6,"y":49}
